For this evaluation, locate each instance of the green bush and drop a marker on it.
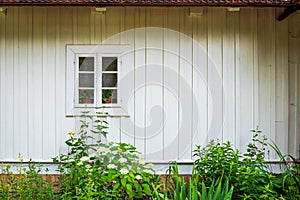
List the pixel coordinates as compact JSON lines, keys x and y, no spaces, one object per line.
{"x":216,"y":160}
{"x":103,"y":171}
{"x":248,"y":173}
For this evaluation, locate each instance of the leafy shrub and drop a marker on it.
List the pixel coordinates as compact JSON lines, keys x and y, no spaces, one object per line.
{"x":216,"y":160}
{"x":248,"y":173}
{"x":103,"y":171}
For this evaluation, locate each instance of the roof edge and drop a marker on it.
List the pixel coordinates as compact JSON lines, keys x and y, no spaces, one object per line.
{"x":219,"y":3}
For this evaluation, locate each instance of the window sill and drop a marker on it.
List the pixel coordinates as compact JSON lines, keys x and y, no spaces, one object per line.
{"x":102,"y":111}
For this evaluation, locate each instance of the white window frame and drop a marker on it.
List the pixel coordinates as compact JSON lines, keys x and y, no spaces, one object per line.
{"x":73,"y":52}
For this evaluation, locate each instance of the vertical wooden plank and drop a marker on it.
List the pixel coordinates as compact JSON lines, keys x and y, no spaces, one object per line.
{"x":36,"y":85}
{"x":30,"y":78}
{"x":153,"y":84}
{"x":126,"y":75}
{"x":229,"y":73}
{"x":297,"y":36}
{"x":245,"y":92}
{"x":200,"y":63}
{"x":237,"y":86}
{"x":112,"y":25}
{"x":266,"y":53}
{"x":281,"y":84}
{"x":255,"y":95}
{"x":294,"y":51}
{"x":44,"y":81}
{"x":185,"y":87}
{"x":9,"y":87}
{"x":23,"y":82}
{"x":16,"y":85}
{"x":75,"y":24}
{"x":272,"y":60}
{"x":139,"y":77}
{"x":297,"y":153}
{"x":170,"y":81}
{"x":57,"y":122}
{"x":83,"y":25}
{"x":97,"y":27}
{"x":92,"y":26}
{"x":103,"y":27}
{"x":2,"y":86}
{"x":67,"y":35}
{"x":49,"y":83}
{"x":215,"y":73}
{"x":229,"y":55}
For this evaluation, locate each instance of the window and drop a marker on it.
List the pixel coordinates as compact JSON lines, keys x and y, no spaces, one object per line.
{"x":92,"y":76}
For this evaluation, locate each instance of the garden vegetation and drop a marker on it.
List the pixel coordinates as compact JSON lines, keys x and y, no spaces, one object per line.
{"x":93,"y":169}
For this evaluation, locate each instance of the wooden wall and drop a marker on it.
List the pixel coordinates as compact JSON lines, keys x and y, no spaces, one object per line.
{"x":234,"y":71}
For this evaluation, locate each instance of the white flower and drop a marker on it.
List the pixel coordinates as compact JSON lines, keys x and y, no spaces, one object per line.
{"x":111,"y":166}
{"x":87,"y":166}
{"x":142,"y":161}
{"x":92,"y":155}
{"x":124,"y":171}
{"x":84,"y":159}
{"x":138,"y":177}
{"x":122,"y":160}
{"x":80,"y":163}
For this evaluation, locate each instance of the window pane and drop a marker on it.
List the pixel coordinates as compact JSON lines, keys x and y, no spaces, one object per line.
{"x":86,"y":80}
{"x":86,"y":96}
{"x":109,"y":96}
{"x":109,"y":80}
{"x":86,"y":63}
{"x":109,"y":64}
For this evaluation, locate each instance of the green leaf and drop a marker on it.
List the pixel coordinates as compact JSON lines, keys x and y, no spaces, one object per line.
{"x":123,"y":182}
{"x":147,"y":189}
{"x":129,"y":190}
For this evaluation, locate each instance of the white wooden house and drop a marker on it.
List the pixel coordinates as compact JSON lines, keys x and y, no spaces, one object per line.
{"x":186,"y":72}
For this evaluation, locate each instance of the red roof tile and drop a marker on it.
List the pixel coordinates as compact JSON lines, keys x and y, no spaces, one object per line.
{"x":152,"y":2}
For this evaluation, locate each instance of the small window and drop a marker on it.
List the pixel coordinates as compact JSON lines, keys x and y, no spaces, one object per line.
{"x":92,"y":76}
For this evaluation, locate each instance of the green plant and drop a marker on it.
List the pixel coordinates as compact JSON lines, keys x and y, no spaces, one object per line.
{"x":248,"y":173}
{"x":254,"y":180}
{"x":26,"y":183}
{"x":180,"y":189}
{"x":102,"y":171}
{"x":216,"y":160}
{"x":216,"y":191}
{"x":106,"y":96}
{"x":86,"y":96}
{"x":289,"y":180}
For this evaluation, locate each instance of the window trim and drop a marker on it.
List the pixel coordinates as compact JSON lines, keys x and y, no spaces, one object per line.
{"x":104,"y":50}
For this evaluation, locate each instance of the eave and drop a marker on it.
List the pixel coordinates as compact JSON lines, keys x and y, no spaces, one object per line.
{"x":240,"y":3}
